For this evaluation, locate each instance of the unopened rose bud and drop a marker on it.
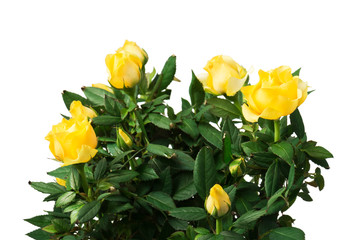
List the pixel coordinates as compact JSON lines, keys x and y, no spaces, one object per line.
{"x":237,"y":167}
{"x":218,"y":203}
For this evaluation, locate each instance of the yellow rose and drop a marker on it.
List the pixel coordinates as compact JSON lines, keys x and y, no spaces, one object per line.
{"x":103,"y":86}
{"x":133,"y":49}
{"x":81,"y":112}
{"x":123,"y":139}
{"x":218,"y":203}
{"x":61,"y":182}
{"x":72,"y":141}
{"x":124,"y":70}
{"x":224,"y":76}
{"x":277,"y":94}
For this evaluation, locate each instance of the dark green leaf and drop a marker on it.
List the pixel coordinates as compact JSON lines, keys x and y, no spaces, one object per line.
{"x":88,"y":211}
{"x":161,"y":200}
{"x":284,"y":150}
{"x":189,"y":127}
{"x":184,"y":187}
{"x":297,"y":123}
{"x":96,"y":95}
{"x":100,"y":169}
{"x":272,"y":179}
{"x":318,"y":152}
{"x":196,"y":92}
{"x":40,"y":221}
{"x":61,"y":172}
{"x":188,"y":213}
{"x":106,"y":120}
{"x":73,"y":181}
{"x":168,"y":72}
{"x":253,"y":147}
{"x":51,"y":188}
{"x":147,"y":173}
{"x":223,"y":108}
{"x":123,"y":176}
{"x":65,"y":198}
{"x":39,"y":234}
{"x":69,"y":97}
{"x":159,"y":120}
{"x":178,"y":224}
{"x":211,"y":134}
{"x":227,"y":148}
{"x":248,"y":217}
{"x":204,"y":172}
{"x":287,"y":233}
{"x":231,"y":236}
{"x":297,"y":72}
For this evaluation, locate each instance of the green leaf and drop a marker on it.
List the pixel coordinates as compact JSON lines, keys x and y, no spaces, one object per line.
{"x":189,"y":127}
{"x":211,"y":134}
{"x":61,"y":172}
{"x":122,"y":208}
{"x":185,"y":188}
{"x":284,"y":150}
{"x":227,"y":148}
{"x":248,"y":217}
{"x":297,"y":72}
{"x":275,"y":196}
{"x":253,"y":147}
{"x":161,"y":200}
{"x":196,"y":92}
{"x":50,"y":229}
{"x":272,"y":179}
{"x":147,"y":173}
{"x":69,"y":97}
{"x":159,"y":120}
{"x":204,"y":172}
{"x":73,"y":181}
{"x":123,"y":176}
{"x":39,"y":234}
{"x":168,"y":72}
{"x":287,"y":233}
{"x":317,"y":152}
{"x":112,"y":106}
{"x":188,"y":213}
{"x":297,"y":123}
{"x":177,"y":236}
{"x":96,"y":95}
{"x":100,"y":169}
{"x":106,"y":120}
{"x":40,"y":221}
{"x":61,"y":225}
{"x":231,"y":236}
{"x":177,"y":224}
{"x":65,"y":198}
{"x":51,"y":188}
{"x":88,"y":211}
{"x":223,"y":108}
{"x":291,"y":178}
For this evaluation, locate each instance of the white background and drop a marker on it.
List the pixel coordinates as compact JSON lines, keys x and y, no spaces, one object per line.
{"x":48,"y":46}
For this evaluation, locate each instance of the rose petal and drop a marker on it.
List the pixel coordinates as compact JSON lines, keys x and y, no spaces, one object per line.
{"x":234,"y":85}
{"x":84,"y":155}
{"x":249,"y":115}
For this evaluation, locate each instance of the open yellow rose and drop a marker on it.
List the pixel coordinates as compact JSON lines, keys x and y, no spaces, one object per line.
{"x":218,"y":203}
{"x":224,"y":76}
{"x":125,"y":66}
{"x":72,"y":141}
{"x":81,"y":112}
{"x":277,"y":94}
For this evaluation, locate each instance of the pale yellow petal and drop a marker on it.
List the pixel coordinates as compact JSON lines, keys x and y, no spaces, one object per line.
{"x":249,"y":115}
{"x":85,"y":154}
{"x":103,"y":86}
{"x":234,"y":85}
{"x":271,"y":114}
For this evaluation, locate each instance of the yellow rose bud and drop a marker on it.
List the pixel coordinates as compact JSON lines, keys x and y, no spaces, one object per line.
{"x":277,"y":94}
{"x":236,"y":167}
{"x":224,"y":76}
{"x":72,"y":141}
{"x":218,"y":203}
{"x":124,"y":70}
{"x":81,"y":112}
{"x":133,"y":49}
{"x":103,"y":86}
{"x":123,"y":139}
{"x":61,"y":182}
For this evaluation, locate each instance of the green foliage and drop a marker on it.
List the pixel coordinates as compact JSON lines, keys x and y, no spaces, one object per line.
{"x":156,"y":188}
